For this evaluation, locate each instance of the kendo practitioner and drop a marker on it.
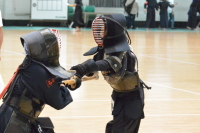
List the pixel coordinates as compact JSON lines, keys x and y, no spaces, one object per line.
{"x":36,"y":82}
{"x":163,"y":5}
{"x":192,"y":14}
{"x":78,"y":15}
{"x":114,"y":58}
{"x":150,"y":6}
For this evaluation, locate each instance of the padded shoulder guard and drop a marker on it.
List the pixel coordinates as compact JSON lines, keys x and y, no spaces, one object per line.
{"x":92,"y":51}
{"x":115,"y":61}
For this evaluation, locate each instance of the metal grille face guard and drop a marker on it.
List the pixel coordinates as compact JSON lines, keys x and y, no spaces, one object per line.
{"x":99,"y":30}
{"x":58,"y":36}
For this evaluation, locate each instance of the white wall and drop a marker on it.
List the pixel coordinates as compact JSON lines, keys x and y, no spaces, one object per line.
{"x":16,"y":9}
{"x":85,"y":2}
{"x":2,"y":7}
{"x":180,"y":10}
{"x":49,"y":10}
{"x":20,"y":9}
{"x":10,"y":13}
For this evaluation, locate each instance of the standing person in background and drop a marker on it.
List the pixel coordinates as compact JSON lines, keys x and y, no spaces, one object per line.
{"x":198,"y":21}
{"x":78,"y":17}
{"x":171,"y":15}
{"x":1,"y":33}
{"x":149,"y":8}
{"x":130,"y":14}
{"x":192,"y":14}
{"x":163,"y":5}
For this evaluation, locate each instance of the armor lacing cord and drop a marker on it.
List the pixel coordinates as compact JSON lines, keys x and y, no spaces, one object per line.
{"x":145,"y":85}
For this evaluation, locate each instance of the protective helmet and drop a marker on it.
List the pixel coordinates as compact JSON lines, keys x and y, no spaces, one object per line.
{"x":43,"y":47}
{"x":109,"y":32}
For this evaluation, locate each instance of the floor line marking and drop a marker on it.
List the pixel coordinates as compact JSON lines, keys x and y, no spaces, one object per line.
{"x":169,"y":59}
{"x":138,"y":55}
{"x":174,"y":88}
{"x":13,"y":52}
{"x":112,"y":116}
{"x":145,"y":100}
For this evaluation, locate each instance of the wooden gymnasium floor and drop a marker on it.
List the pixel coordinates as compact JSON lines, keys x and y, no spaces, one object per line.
{"x":169,"y":62}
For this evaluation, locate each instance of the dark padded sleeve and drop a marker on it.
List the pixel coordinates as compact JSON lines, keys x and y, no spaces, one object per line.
{"x":86,"y":67}
{"x":103,"y":65}
{"x":131,"y":59}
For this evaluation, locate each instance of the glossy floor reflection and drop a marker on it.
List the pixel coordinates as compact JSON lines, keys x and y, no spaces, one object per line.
{"x":169,"y":62}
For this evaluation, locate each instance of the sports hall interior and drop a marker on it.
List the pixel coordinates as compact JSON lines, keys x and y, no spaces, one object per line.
{"x":168,"y":61}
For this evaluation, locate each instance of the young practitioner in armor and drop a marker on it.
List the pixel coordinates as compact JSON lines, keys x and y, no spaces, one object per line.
{"x":116,"y":61}
{"x":37,"y":81}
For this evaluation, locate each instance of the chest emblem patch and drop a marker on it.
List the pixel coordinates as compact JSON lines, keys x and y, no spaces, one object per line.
{"x":50,"y":82}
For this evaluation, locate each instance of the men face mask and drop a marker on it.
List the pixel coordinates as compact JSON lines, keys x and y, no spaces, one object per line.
{"x":99,"y":31}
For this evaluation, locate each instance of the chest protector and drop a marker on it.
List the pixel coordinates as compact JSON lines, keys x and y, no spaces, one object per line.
{"x":26,"y":108}
{"x":120,"y":78}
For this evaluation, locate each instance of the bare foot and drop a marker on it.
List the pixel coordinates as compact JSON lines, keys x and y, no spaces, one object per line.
{"x":78,"y":29}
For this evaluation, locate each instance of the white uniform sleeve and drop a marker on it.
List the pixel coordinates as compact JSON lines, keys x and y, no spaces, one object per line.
{"x":1,"y":23}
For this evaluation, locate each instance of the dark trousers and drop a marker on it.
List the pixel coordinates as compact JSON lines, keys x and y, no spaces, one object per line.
{"x":150,"y":20}
{"x":163,"y":19}
{"x":192,"y":21}
{"x":171,"y":20}
{"x":18,"y":124}
{"x":120,"y":124}
{"x":130,"y":21}
{"x":192,"y":18}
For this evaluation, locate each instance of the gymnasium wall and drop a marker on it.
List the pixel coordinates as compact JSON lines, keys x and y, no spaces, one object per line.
{"x":21,"y":10}
{"x":180,"y":10}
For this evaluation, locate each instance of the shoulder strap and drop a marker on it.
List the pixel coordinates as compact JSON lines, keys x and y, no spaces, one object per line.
{"x":5,"y":95}
{"x":9,"y":87}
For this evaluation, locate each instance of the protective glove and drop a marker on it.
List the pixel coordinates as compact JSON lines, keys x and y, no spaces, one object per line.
{"x":84,"y":68}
